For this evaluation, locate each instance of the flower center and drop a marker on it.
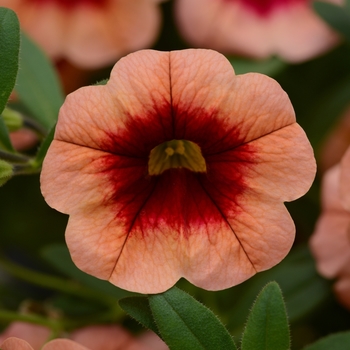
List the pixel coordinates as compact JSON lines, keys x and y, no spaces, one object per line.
{"x":176,"y":154}
{"x":71,"y":3}
{"x":265,"y":7}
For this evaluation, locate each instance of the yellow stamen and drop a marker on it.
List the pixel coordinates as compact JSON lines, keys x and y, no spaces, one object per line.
{"x":176,"y":154}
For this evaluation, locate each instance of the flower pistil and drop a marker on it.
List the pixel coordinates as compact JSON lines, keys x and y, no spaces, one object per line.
{"x":176,"y":154}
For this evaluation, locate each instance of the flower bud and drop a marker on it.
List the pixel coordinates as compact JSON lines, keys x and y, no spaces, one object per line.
{"x":13,"y":119}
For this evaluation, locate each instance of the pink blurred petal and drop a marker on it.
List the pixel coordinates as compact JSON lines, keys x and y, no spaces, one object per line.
{"x":89,"y":36}
{"x":113,"y":338}
{"x":344,"y":186}
{"x":35,"y":335}
{"x":15,"y":344}
{"x":64,"y":344}
{"x":330,"y":243}
{"x":23,"y":139}
{"x":293,"y":31}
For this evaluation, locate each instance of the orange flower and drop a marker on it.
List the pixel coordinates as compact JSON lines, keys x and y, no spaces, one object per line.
{"x":255,"y":28}
{"x":177,"y":168}
{"x":89,"y":33}
{"x":25,"y":336}
{"x":330,"y":242}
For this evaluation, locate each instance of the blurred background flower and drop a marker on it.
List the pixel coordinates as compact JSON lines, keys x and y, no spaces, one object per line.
{"x":89,"y":33}
{"x":109,"y":337}
{"x":289,"y":29}
{"x":330,"y":243}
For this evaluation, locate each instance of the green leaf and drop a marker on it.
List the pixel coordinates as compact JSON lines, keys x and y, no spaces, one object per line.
{"x":102,"y":82}
{"x":12,"y":119}
{"x":59,"y":257}
{"x":331,"y":106}
{"x":5,"y":142}
{"x":37,"y":163}
{"x":184,"y":323}
{"x":269,"y":66}
{"x":302,"y":287}
{"x":6,"y":172}
{"x":37,"y":84}
{"x":338,"y":341}
{"x":139,"y":309}
{"x":336,"y":16}
{"x":267,"y":325}
{"x":9,"y":50}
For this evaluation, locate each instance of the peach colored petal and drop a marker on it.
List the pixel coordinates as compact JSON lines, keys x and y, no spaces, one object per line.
{"x":33,"y":334}
{"x":344,"y":186}
{"x":142,"y":78}
{"x":89,"y":36}
{"x":132,"y":97}
{"x":64,"y":344}
{"x":143,"y":233}
{"x":232,"y":27}
{"x":330,"y":192}
{"x":123,"y":27}
{"x":330,"y":242}
{"x":282,"y":172}
{"x":136,"y":82}
{"x":75,"y":166}
{"x":15,"y":344}
{"x":252,"y":103}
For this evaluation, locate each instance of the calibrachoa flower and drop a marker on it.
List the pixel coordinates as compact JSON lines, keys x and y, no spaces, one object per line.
{"x":255,"y":28}
{"x":89,"y":33}
{"x":112,"y":337}
{"x":330,"y":242}
{"x":177,"y":168}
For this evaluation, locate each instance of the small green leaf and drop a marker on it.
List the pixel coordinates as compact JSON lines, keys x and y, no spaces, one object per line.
{"x":267,"y":325}
{"x":184,"y":323}
{"x":336,"y":16}
{"x":6,"y":172}
{"x":37,"y":163}
{"x":59,"y":257}
{"x":338,"y":341}
{"x":303,"y":289}
{"x":270,"y":66}
{"x":13,"y":119}
{"x":5,"y":142}
{"x":139,"y":309}
{"x":9,"y":50}
{"x":102,"y":82}
{"x":37,"y":84}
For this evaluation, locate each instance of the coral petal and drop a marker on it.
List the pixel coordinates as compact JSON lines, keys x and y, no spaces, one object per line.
{"x":15,"y":344}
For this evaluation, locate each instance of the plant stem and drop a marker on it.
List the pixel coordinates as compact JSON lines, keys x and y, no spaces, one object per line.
{"x":56,"y":283}
{"x":14,"y":157}
{"x":57,"y":325}
{"x":10,"y":316}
